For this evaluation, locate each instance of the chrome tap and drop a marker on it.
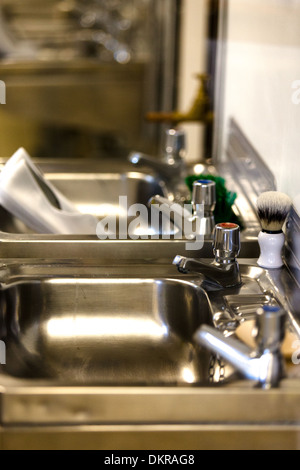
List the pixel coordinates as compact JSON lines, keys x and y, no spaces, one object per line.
{"x":172,"y":165}
{"x":204,"y":196}
{"x":223,"y":271}
{"x":200,"y":214}
{"x":265,"y":364}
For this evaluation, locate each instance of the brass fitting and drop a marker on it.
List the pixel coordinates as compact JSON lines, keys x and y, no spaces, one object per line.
{"x":200,"y":110}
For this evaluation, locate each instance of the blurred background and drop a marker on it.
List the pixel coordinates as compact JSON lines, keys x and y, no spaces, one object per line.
{"x":82,"y":75}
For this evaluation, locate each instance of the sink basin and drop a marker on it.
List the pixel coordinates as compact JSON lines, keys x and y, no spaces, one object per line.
{"x":97,"y":194}
{"x":119,"y":324}
{"x":96,"y":353}
{"x":105,"y":327}
{"x":95,"y":187}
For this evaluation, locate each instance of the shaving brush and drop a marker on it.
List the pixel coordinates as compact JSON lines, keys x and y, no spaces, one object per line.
{"x":272,"y":208}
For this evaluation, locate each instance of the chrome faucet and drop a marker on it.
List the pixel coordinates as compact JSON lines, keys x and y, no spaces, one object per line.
{"x":223,"y":271}
{"x":204,"y":194}
{"x":265,"y":364}
{"x":200,"y":214}
{"x":171,"y":166}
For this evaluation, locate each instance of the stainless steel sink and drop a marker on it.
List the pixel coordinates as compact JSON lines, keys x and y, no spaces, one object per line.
{"x":103,"y":326}
{"x":102,"y":352}
{"x":98,"y":336}
{"x":120,"y":324}
{"x":95,"y":187}
{"x":99,"y":194}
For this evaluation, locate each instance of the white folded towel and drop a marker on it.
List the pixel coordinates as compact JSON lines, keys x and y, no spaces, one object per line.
{"x":26,"y":194}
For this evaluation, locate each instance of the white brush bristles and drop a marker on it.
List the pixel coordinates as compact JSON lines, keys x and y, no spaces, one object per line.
{"x":273,"y":208}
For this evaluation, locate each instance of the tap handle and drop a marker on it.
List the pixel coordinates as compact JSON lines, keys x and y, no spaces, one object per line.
{"x":175,"y":144}
{"x":204,"y":192}
{"x":270,"y":328}
{"x":227,"y":242}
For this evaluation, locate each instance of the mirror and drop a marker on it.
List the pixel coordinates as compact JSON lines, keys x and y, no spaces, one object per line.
{"x":79,"y":76}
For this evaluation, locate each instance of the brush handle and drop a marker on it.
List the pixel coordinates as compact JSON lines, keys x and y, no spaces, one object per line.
{"x":271,"y":245}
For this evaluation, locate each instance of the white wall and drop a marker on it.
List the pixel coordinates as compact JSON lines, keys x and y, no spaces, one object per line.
{"x":192,"y":62}
{"x":263,"y":63}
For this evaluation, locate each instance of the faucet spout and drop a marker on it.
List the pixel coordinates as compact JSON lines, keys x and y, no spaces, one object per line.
{"x":172,"y":165}
{"x":264,"y":364}
{"x":224,"y":270}
{"x":166,"y":170}
{"x":222,"y":275}
{"x":232,"y":350}
{"x":170,"y":209}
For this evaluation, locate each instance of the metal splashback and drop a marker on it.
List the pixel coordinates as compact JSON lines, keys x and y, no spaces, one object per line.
{"x":292,"y":246}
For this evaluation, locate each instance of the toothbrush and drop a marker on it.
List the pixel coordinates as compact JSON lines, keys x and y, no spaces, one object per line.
{"x":272,"y":208}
